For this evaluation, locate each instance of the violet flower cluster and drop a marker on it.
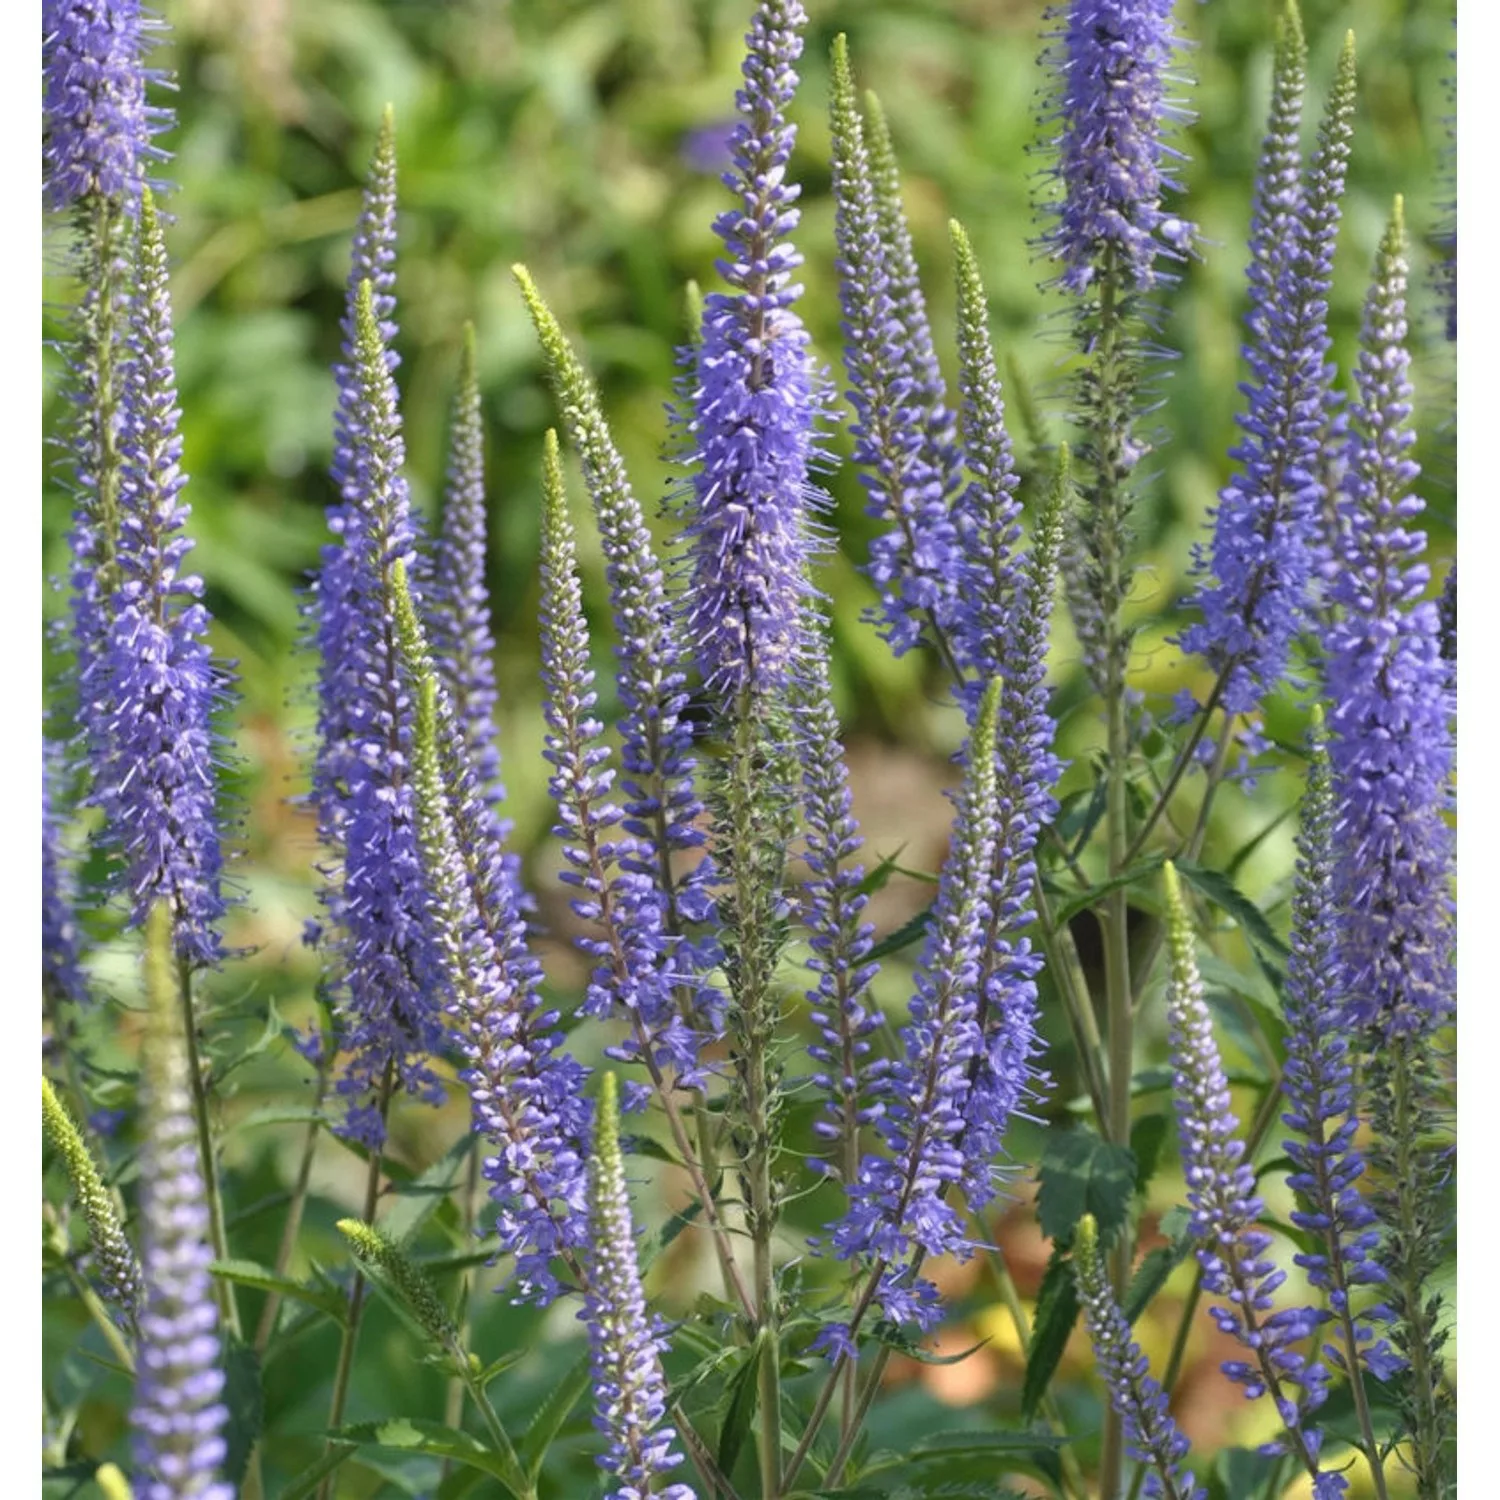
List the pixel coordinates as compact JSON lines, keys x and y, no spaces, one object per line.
{"x":625,"y":1342}
{"x":179,"y":1415}
{"x":1268,"y":523}
{"x":1388,"y":684}
{"x":62,"y":978}
{"x":753,"y":402}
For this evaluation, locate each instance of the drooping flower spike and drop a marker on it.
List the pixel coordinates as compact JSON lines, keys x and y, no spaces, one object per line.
{"x":526,"y":1090}
{"x":753,"y":403}
{"x":1151,"y":1436}
{"x":625,"y":1343}
{"x":1226,"y":1209}
{"x":915,"y":563}
{"x":1269,"y":519}
{"x":152,"y":689}
{"x":178,"y":1418}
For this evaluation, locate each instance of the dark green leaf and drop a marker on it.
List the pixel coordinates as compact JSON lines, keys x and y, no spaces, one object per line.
{"x":903,"y":937}
{"x":960,"y":1457}
{"x":1270,"y":952}
{"x":1147,"y":1136}
{"x":413,"y":1435}
{"x":1052,"y":1326}
{"x":649,"y":1147}
{"x":1081,"y":1174}
{"x":1242,"y":1474}
{"x":894,"y":1338}
{"x":326,"y":1299}
{"x":247,"y":1407}
{"x":420,"y":1198}
{"x":743,"y":1393}
{"x":880,"y":877}
{"x":1084,"y":900}
{"x":1152,"y":1273}
{"x":307,"y":1481}
{"x":546,"y":1422}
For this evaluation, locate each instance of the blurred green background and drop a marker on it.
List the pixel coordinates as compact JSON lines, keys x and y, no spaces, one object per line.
{"x":563,"y":133}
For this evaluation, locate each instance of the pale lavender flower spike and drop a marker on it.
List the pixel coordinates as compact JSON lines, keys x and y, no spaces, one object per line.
{"x":753,"y":399}
{"x":62,"y":978}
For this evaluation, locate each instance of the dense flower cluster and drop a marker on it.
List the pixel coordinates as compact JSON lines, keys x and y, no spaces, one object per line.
{"x":753,"y":406}
{"x":62,"y":978}
{"x":1392,"y":746}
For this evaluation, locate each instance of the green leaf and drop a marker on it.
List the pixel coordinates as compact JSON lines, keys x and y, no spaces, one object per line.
{"x":307,"y":1480}
{"x":894,"y":1338}
{"x":413,"y":1435}
{"x":880,"y":877}
{"x":420,"y":1198}
{"x":1147,"y":1136}
{"x":1084,"y":900}
{"x":1152,"y":1273}
{"x":1270,"y":952}
{"x":649,"y":1147}
{"x":326,"y":1299}
{"x":247,"y":1407}
{"x":547,"y":1420}
{"x":1081,"y":1174}
{"x":903,"y":937}
{"x":1051,"y":1327}
{"x":1242,"y":1473}
{"x":966,"y":1457}
{"x":743,"y":1392}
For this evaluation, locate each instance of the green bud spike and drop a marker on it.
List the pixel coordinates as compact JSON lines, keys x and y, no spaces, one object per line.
{"x":1291,"y":40}
{"x":1184,"y":962}
{"x":369,"y":349}
{"x":982,"y":767}
{"x":692,"y":311}
{"x":119,"y":1272}
{"x":113,"y":1485}
{"x":1086,"y":1240}
{"x":1047,"y":537}
{"x":390,"y":1265}
{"x":607,"y":1126}
{"x":468,"y":365}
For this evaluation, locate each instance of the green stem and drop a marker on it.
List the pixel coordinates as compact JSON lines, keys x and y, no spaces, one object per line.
{"x":100,"y":1314}
{"x":1061,"y":954}
{"x":453,"y":1412}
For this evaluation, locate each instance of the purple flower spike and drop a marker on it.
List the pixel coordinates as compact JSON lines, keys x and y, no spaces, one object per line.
{"x":916,"y":563}
{"x":625,"y":1342}
{"x":149,"y":695}
{"x":97,"y":124}
{"x":62,"y":979}
{"x":1113,"y":59}
{"x":753,"y":400}
{"x":1268,"y":519}
{"x":178,"y":1417}
{"x":899,"y":1205}
{"x":1226,"y":1209}
{"x":1392,"y":743}
{"x":1151,"y":1436}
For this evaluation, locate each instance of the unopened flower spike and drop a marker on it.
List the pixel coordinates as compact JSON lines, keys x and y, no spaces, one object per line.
{"x":1267,"y":525}
{"x":526,"y":1090}
{"x":407,"y":1279}
{"x":916,"y":563}
{"x":386,"y":1003}
{"x":630,"y":979}
{"x":1006,"y":1074}
{"x":97,"y":123}
{"x":625,"y":1342}
{"x":1391,"y":740}
{"x":458,"y":610}
{"x":178,"y":1419}
{"x":752,"y":398}
{"x":989,"y":514}
{"x":899,"y":1206}
{"x":657,"y":769}
{"x":1151,"y":1436}
{"x":831,"y":906}
{"x":154,"y":686}
{"x":1318,"y":1085}
{"x":114,"y":1262}
{"x":1226,"y":1210}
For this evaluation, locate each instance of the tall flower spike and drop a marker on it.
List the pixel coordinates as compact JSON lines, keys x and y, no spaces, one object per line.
{"x":458,"y":613}
{"x":659,"y":798}
{"x":1267,"y":523}
{"x":178,"y":1418}
{"x":630,"y":1391}
{"x":1226,"y":1209}
{"x":1151,"y":1436}
{"x":630,"y":980}
{"x":1005,"y":1073}
{"x":154,"y":686}
{"x":1318,"y":1083}
{"x":916,"y":563}
{"x":753,"y":402}
{"x":387,"y":1013}
{"x":114,"y":1261}
{"x":526,"y":1091}
{"x":831,"y":904}
{"x":1113,"y":59}
{"x":898,"y":1209}
{"x":1392,"y":745}
{"x":62,"y":978}
{"x":989,"y":515}
{"x":96,"y":121}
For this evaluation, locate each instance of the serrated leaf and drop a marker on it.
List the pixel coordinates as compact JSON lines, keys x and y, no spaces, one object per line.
{"x":327,"y":1300}
{"x":1269,"y":950}
{"x":1051,"y":1327}
{"x":1083,"y":900}
{"x":414,"y":1435}
{"x":547,"y":1420}
{"x":419,"y":1198}
{"x":247,"y":1407}
{"x":743,"y":1392}
{"x":903,"y":937}
{"x":880,"y":877}
{"x":1148,"y":1134}
{"x":1079,"y":1173}
{"x":1151,"y":1275}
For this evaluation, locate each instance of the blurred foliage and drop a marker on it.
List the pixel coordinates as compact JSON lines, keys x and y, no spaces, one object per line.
{"x":577,"y":135}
